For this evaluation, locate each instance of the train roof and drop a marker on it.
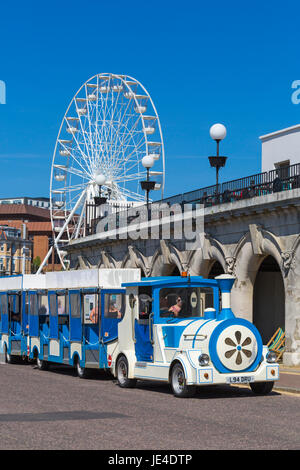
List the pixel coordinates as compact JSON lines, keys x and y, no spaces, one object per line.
{"x":172,"y":280}
{"x":85,"y":278}
{"x":77,"y":279}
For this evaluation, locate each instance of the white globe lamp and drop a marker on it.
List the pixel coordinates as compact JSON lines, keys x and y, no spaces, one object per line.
{"x":148,"y":161}
{"x":100,"y":179}
{"x":218,"y":132}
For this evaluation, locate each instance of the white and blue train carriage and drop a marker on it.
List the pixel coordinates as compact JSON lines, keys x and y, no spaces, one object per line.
{"x":181,"y":330}
{"x":74,"y":318}
{"x":12,"y":339}
{"x":14,"y":327}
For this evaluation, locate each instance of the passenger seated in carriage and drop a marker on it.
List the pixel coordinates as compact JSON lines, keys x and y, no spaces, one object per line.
{"x":94,"y":314}
{"x":113,"y":312}
{"x":14,"y":316}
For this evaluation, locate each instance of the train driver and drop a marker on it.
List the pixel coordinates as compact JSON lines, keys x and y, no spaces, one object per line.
{"x":176,"y":308}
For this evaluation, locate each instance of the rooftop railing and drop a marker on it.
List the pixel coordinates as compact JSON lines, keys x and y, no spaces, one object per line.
{"x":260,"y":184}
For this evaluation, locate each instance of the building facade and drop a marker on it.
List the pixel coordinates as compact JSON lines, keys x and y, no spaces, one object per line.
{"x":281,"y":148}
{"x":38,"y":229}
{"x":41,"y":202}
{"x":15,"y":251}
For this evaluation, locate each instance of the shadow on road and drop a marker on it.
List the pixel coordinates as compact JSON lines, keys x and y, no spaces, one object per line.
{"x":94,"y":374}
{"x":205,"y":392}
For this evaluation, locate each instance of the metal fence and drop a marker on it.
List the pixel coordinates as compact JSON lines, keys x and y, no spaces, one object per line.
{"x":260,"y":184}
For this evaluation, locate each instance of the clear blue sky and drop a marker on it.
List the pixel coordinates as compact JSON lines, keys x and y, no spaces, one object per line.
{"x":202,"y":62}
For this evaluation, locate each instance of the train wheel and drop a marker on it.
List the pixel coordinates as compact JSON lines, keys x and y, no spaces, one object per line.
{"x":82,"y":372}
{"x":261,"y":388}
{"x":122,"y":374}
{"x":8,"y":357}
{"x":41,"y":364}
{"x":178,"y":383}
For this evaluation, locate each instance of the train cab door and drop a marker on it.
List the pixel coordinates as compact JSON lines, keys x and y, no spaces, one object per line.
{"x":112,"y":312}
{"x":4,"y":312}
{"x":143,"y":327}
{"x":33,"y":314}
{"x":53,"y":317}
{"x":75,"y":315}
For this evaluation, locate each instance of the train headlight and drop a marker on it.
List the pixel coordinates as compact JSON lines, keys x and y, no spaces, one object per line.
{"x":271,"y":357}
{"x":203,"y":359}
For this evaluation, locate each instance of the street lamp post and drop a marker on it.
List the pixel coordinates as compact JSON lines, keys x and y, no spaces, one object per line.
{"x":217,"y":132}
{"x":148,"y":185}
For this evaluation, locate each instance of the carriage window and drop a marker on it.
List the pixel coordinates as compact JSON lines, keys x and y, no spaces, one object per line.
{"x":75,"y":305}
{"x":14,"y":304}
{"x":114,"y":306}
{"x":53,"y":304}
{"x":90,"y":308}
{"x":43,"y":304}
{"x":14,"y":307}
{"x":185,"y":302}
{"x":33,"y":305}
{"x":61,"y":305}
{"x":3,"y":305}
{"x":145,"y":302}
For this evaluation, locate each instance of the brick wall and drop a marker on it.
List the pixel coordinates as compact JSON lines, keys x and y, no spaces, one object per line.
{"x":40,"y":246}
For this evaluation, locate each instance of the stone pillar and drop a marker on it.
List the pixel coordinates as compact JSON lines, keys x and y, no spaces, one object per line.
{"x":291,"y":356}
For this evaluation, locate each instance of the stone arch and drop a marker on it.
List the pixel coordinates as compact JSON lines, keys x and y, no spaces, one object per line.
{"x":215,"y":270}
{"x":202,"y":260}
{"x":269,"y":298}
{"x":166,"y":260}
{"x":107,"y":261}
{"x":81,"y":262}
{"x":244,"y":262}
{"x":248,"y":256}
{"x":252,"y":248}
{"x":135,"y":259}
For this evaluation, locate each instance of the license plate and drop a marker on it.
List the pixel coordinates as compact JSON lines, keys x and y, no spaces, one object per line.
{"x":239,"y":380}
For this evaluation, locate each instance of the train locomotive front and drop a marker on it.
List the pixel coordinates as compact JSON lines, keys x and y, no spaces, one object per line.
{"x":194,"y":344}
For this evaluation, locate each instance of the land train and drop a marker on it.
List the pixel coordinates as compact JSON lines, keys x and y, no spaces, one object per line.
{"x":176,"y":329}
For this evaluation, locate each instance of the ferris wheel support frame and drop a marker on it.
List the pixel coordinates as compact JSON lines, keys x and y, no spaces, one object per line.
{"x":56,"y":240}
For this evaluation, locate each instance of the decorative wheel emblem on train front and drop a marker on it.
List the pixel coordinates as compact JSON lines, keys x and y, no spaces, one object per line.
{"x":238,"y":349}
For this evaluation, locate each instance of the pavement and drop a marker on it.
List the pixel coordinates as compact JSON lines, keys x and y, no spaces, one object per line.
{"x":289,"y":379}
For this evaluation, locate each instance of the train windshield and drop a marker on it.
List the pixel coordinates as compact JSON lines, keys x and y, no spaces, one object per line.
{"x":185,"y":302}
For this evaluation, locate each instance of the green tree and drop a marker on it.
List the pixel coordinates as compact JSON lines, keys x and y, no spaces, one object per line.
{"x":36,"y":264}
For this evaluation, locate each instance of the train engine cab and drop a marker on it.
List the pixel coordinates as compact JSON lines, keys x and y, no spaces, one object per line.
{"x":181,"y":330}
